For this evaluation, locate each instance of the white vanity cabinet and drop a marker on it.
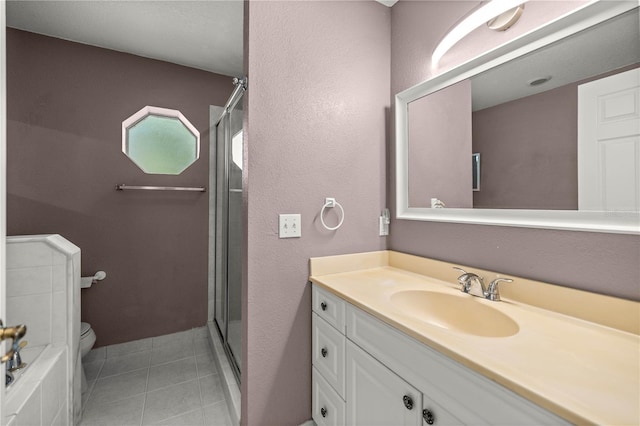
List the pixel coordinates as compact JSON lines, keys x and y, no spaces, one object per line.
{"x":390,"y":378}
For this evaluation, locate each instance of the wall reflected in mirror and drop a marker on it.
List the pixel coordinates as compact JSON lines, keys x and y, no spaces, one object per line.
{"x":521,"y":117}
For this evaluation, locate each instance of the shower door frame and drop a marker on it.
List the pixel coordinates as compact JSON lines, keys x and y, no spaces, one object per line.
{"x":221,"y":184}
{"x":3,"y":186}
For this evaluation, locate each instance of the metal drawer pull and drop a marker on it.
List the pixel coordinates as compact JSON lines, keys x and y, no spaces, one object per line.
{"x":324,"y":352}
{"x":428,"y":417}
{"x":408,"y":402}
{"x":323,"y":305}
{"x":323,"y":411}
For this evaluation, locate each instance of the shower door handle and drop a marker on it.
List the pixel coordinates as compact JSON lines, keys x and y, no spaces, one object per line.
{"x":14,"y":333}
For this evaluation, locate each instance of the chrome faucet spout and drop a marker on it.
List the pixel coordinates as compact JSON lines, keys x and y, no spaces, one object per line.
{"x":471,"y":283}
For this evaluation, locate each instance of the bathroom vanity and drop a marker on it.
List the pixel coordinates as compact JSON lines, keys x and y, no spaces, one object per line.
{"x":388,"y":348}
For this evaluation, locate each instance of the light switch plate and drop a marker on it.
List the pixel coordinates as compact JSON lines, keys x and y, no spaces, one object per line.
{"x":289,"y":226}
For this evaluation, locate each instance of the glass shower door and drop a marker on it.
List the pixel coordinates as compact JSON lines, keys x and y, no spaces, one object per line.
{"x":220,"y":312}
{"x":229,"y":229}
{"x":235,"y":239}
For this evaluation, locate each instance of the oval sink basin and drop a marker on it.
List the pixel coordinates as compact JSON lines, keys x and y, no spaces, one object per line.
{"x":463,"y":314}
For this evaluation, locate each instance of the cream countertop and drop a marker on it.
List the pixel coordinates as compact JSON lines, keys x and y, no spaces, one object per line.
{"x":582,"y":371}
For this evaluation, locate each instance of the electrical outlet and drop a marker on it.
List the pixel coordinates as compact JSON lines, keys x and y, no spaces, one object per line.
{"x":289,"y":226}
{"x":384,"y":226}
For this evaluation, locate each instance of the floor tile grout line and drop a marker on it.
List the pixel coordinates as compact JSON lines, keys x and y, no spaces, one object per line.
{"x":168,"y":362}
{"x":100,"y":370}
{"x":201,"y":398}
{"x":122,"y":372}
{"x":146,"y":391}
{"x":175,"y":383}
{"x":137,"y":370}
{"x":90,"y":390}
{"x":180,"y":415}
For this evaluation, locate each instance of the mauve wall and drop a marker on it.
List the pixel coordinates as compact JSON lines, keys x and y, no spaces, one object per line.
{"x":317,"y":107}
{"x":529,"y":152}
{"x":66,"y":103}
{"x":603,"y":263}
{"x":439,"y":130}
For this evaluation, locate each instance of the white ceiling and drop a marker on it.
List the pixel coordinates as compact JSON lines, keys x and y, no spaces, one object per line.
{"x":208,"y":35}
{"x":605,"y":47}
{"x":200,"y":34}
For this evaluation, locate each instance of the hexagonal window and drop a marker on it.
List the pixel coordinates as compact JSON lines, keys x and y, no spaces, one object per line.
{"x":160,"y":141}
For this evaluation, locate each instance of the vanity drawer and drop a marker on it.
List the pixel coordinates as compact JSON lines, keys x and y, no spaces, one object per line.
{"x":329,"y":307}
{"x":328,"y":408}
{"x":328,"y":349}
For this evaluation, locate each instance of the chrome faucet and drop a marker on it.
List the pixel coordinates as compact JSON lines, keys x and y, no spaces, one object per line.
{"x":474,"y":285}
{"x":471,"y":283}
{"x":15,"y":362}
{"x":15,"y":334}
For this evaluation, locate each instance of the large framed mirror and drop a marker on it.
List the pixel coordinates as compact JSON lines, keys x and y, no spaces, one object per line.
{"x":522,"y":135}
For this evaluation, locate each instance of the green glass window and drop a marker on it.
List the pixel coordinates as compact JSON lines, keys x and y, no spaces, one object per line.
{"x":160,"y":141}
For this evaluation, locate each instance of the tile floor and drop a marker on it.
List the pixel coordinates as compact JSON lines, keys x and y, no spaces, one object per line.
{"x":166,"y":380}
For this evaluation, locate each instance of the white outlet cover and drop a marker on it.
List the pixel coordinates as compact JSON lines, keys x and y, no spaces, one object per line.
{"x":289,"y":226}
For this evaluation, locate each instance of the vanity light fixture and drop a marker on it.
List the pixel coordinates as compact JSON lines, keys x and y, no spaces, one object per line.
{"x":482,"y":15}
{"x":505,"y":20}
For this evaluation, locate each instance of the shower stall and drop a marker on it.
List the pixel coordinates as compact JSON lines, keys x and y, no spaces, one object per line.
{"x":225,"y":224}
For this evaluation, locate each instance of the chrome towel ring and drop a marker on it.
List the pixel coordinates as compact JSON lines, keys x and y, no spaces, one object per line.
{"x":331,"y":203}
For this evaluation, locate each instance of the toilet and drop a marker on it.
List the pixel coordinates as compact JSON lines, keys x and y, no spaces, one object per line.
{"x":87,"y":338}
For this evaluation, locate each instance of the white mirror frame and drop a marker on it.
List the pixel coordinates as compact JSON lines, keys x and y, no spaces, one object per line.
{"x":610,"y":222}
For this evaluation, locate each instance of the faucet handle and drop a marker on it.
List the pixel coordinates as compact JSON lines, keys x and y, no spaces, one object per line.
{"x":15,"y":334}
{"x":463,"y":279}
{"x":492,"y":292}
{"x":466,"y":280}
{"x":457,"y":268}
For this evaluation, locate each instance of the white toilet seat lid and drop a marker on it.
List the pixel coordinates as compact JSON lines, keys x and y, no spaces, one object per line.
{"x":85,"y":327}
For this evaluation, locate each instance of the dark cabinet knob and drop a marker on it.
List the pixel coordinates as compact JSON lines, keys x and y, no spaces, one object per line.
{"x":323,"y":305}
{"x":324,"y":352}
{"x":428,"y":417}
{"x":408,"y":402}
{"x":323,"y":411}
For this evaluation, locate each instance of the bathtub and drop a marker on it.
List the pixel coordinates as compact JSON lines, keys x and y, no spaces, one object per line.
{"x":43,"y":293}
{"x":39,"y":393}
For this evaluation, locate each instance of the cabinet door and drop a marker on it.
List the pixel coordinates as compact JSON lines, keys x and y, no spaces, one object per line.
{"x":434,"y":414}
{"x":376,"y":396}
